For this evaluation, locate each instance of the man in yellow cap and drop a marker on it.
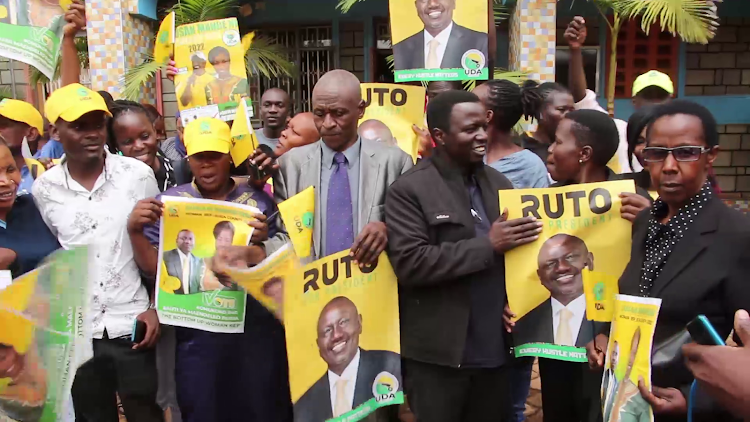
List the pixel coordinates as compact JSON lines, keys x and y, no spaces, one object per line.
{"x":256,"y":382}
{"x":19,"y":120}
{"x":652,"y":88}
{"x":86,"y":200}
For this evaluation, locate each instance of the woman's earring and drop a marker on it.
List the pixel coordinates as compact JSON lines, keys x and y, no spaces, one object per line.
{"x":580,"y":161}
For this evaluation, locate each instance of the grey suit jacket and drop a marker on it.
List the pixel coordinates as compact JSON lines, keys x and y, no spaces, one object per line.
{"x":174,"y":268}
{"x":380,"y":165}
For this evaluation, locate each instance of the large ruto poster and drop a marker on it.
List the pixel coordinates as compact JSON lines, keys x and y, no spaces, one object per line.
{"x":343,"y":341}
{"x":211,"y":76}
{"x":30,"y":32}
{"x":583,"y":238}
{"x":190,"y":294}
{"x":439,"y":40}
{"x":399,"y":107}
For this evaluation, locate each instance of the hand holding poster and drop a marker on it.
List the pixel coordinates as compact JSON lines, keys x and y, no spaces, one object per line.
{"x":398,"y":107}
{"x":44,"y":338}
{"x":31,"y":31}
{"x":582,"y":231}
{"x":211,"y":76}
{"x":342,"y":330}
{"x":629,"y":359}
{"x":190,"y":293}
{"x":439,"y":40}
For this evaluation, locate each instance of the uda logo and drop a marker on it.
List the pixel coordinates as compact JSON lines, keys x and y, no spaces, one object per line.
{"x":385,"y":387}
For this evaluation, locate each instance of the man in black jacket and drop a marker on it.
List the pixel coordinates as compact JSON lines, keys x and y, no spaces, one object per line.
{"x":446,"y":243}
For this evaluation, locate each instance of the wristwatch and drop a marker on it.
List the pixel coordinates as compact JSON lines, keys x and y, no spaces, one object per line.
{"x":151,"y":305}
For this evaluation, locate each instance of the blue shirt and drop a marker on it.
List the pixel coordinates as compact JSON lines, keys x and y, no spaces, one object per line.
{"x":27,"y":235}
{"x":352,"y":170}
{"x":53,"y":149}
{"x":27,"y":180}
{"x":524,"y":169}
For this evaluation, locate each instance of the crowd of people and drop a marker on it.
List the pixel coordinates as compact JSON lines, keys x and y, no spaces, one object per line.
{"x":100,"y":168}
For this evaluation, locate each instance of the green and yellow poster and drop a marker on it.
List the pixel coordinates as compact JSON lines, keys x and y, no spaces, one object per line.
{"x":343,"y":341}
{"x":31,"y":31}
{"x":439,"y":40}
{"x":398,"y":107}
{"x":44,"y":337}
{"x":584,"y":239}
{"x":190,"y":293}
{"x":211,"y":76}
{"x":629,"y":359}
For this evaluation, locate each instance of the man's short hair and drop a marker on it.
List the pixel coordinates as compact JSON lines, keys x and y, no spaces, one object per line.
{"x":597,"y":130}
{"x":440,"y":108}
{"x":675,"y":107}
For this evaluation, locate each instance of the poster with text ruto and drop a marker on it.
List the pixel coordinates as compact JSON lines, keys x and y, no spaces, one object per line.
{"x":44,"y":337}
{"x":190,"y":294}
{"x":398,"y":107}
{"x":629,"y":359}
{"x":343,"y":342}
{"x":578,"y":259}
{"x":30,"y":32}
{"x":211,"y":76}
{"x":439,"y":40}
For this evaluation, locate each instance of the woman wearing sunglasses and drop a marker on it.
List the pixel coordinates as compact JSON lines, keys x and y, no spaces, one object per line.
{"x":689,"y":249}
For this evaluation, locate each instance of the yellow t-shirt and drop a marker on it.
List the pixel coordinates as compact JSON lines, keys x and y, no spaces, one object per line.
{"x":199,"y":91}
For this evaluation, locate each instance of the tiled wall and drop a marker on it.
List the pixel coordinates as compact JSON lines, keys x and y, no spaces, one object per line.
{"x":117,"y":41}
{"x":532,"y":39}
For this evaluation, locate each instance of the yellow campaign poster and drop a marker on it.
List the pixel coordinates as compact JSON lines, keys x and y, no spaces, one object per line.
{"x":243,"y":135}
{"x":342,"y":332}
{"x":582,"y":231}
{"x":164,"y":45}
{"x":298,"y":214}
{"x":211,"y":76}
{"x":600,"y":290}
{"x":398,"y":107}
{"x":629,"y":359}
{"x":265,"y":281}
{"x":190,"y":293}
{"x":436,"y":40}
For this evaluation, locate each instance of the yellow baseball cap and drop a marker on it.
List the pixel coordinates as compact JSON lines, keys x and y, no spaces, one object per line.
{"x":653,"y":78}
{"x":207,"y":134}
{"x":21,"y":111}
{"x":73,"y":101}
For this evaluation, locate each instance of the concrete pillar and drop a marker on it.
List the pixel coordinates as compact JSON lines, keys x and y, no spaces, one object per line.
{"x":533,"y":39}
{"x":118,"y":40}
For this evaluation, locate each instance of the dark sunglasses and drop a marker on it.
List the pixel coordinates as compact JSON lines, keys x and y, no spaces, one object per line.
{"x":687,"y":153}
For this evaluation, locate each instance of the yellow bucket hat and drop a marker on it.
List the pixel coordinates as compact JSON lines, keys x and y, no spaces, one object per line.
{"x":207,"y":134}
{"x":21,"y":111}
{"x":73,"y":101}
{"x":653,"y":78}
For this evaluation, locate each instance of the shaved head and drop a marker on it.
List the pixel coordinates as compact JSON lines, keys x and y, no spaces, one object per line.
{"x":300,"y":131}
{"x":337,"y":107}
{"x":375,"y":130}
{"x":274,"y":111}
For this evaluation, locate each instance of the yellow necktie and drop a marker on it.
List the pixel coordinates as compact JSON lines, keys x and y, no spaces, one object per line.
{"x":186,"y":275}
{"x":342,"y":403}
{"x":564,"y":336}
{"x":432,"y":57}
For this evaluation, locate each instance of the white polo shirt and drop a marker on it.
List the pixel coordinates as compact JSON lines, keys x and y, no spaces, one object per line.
{"x":98,"y":219}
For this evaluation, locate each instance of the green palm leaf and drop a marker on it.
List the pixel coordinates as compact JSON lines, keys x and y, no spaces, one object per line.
{"x":694,"y":21}
{"x":192,"y":11}
{"x":82,"y":46}
{"x":137,"y":76}
{"x":267,"y":58}
{"x":7,"y":92}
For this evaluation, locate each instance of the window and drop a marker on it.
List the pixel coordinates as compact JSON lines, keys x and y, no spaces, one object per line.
{"x":590,"y":66}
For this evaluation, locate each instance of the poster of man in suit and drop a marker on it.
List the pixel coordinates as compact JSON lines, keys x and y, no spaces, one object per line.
{"x":439,"y":39}
{"x":553,"y":282}
{"x":342,"y":333}
{"x":181,"y":263}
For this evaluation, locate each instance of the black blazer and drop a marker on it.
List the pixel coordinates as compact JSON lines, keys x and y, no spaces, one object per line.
{"x":409,"y":53}
{"x":707,"y":273}
{"x":436,"y":255}
{"x":537,"y":326}
{"x":315,"y":404}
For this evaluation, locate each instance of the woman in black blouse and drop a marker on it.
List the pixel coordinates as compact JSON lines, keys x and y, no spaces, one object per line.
{"x":689,"y":249}
{"x":132,"y":133}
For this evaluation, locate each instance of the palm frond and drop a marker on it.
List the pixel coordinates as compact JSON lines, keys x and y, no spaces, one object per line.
{"x":137,"y":76}
{"x":6,"y":91}
{"x":267,"y":58}
{"x":82,"y":46}
{"x":500,"y":11}
{"x":345,"y":5}
{"x":192,"y":11}
{"x":695,"y":21}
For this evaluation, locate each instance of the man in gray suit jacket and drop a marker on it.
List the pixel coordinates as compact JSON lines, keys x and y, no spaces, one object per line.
{"x":174,"y":259}
{"x":350,"y":175}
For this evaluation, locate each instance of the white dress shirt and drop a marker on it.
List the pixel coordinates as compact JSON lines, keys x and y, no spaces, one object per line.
{"x":577,"y":307}
{"x":350,"y":375}
{"x":98,"y":219}
{"x":442,"y":38}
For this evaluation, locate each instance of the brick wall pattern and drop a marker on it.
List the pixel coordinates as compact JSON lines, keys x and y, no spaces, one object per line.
{"x":721,"y":67}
